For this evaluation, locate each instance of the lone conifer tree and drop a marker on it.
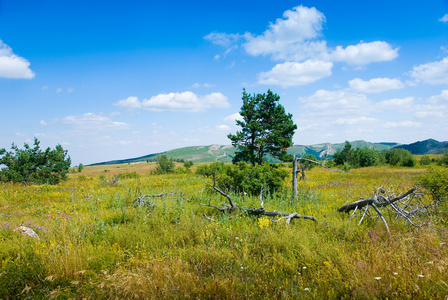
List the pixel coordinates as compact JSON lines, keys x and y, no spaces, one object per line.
{"x":265,"y":129}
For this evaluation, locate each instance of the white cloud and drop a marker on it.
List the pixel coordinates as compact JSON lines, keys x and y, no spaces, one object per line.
{"x":355,"y":121}
{"x":406,"y":124}
{"x":396,"y":104}
{"x":444,"y":19}
{"x":338,"y":102}
{"x":185,"y":101}
{"x":206,"y":85}
{"x":91,"y":121}
{"x":129,"y":102}
{"x":364,"y":53}
{"x":432,"y":73}
{"x":13,"y":66}
{"x":294,"y":73}
{"x":227,"y":40}
{"x":297,"y":37}
{"x":291,"y":37}
{"x":375,"y":85}
{"x":442,"y":98}
{"x":232,"y":118}
{"x":223,"y":127}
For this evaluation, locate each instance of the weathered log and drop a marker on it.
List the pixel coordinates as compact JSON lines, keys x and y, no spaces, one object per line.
{"x":375,"y":200}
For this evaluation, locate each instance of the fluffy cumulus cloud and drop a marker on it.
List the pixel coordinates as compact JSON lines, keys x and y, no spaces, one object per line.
{"x":376,"y":85}
{"x":364,"y":53}
{"x":129,"y":102}
{"x":232,"y":118}
{"x":397,"y":104}
{"x":444,"y":19}
{"x":91,"y":121}
{"x":442,"y":98}
{"x":292,"y":37}
{"x":432,"y":73}
{"x":295,"y":73}
{"x":185,"y":101}
{"x":338,"y":102}
{"x":355,"y":121}
{"x":297,"y":37}
{"x":13,"y":66}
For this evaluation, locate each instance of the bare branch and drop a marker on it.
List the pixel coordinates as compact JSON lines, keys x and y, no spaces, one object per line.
{"x":222,"y":193}
{"x":323,"y":165}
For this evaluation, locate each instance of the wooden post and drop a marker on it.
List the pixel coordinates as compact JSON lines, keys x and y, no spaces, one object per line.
{"x":294,"y":179}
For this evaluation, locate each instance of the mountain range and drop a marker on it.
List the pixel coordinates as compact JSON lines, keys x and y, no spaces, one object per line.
{"x":225,"y":153}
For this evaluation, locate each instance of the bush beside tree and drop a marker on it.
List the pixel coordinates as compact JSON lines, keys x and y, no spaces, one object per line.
{"x":244,"y":178}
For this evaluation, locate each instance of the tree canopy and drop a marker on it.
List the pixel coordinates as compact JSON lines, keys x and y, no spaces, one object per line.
{"x":32,"y":165}
{"x":266,"y":128}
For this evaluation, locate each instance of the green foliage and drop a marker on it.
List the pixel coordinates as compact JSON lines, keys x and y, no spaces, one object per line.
{"x":188,"y":164}
{"x":425,"y":160}
{"x":265,"y":129}
{"x":353,"y":158}
{"x":399,"y":157}
{"x":80,"y":168}
{"x":243,"y":177}
{"x":165,"y":165}
{"x":308,"y":165}
{"x":209,"y":170}
{"x":345,"y":156}
{"x":128,"y":175}
{"x":444,"y":159}
{"x":32,"y":165}
{"x":366,"y":157}
{"x":436,"y":182}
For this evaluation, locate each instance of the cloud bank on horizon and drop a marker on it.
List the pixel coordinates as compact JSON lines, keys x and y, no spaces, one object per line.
{"x":123,"y":102}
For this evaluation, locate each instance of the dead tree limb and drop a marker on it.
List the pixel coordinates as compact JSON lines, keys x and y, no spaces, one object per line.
{"x":139,"y":201}
{"x":258,"y":211}
{"x":323,"y":165}
{"x":407,"y":205}
{"x":374,"y":200}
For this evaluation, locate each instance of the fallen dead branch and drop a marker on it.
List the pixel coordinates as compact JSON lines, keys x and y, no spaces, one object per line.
{"x":140,"y":202}
{"x":409,"y":206}
{"x":256,"y":211}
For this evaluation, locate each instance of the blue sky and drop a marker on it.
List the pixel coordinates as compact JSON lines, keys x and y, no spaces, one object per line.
{"x":112,"y":80}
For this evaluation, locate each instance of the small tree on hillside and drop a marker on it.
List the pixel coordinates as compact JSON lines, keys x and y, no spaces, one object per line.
{"x":32,"y":165}
{"x":164,"y":164}
{"x":265,"y":129}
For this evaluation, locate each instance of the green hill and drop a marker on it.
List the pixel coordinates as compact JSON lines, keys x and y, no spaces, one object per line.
{"x":429,"y":146}
{"x":225,"y":153}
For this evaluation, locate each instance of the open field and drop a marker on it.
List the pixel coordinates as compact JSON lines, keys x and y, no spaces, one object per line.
{"x":95,"y":244}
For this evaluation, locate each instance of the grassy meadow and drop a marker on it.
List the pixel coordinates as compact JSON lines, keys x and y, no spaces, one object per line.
{"x":94,"y":244}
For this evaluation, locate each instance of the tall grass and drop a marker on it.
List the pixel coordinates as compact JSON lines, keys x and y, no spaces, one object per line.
{"x":95,"y":244}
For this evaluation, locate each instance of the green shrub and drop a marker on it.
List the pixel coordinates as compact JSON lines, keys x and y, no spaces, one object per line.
{"x":399,"y":157}
{"x":366,"y":157}
{"x":425,"y":160}
{"x":444,"y":159}
{"x":165,"y":165}
{"x":243,"y":177}
{"x":436,"y":182}
{"x":32,"y":165}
